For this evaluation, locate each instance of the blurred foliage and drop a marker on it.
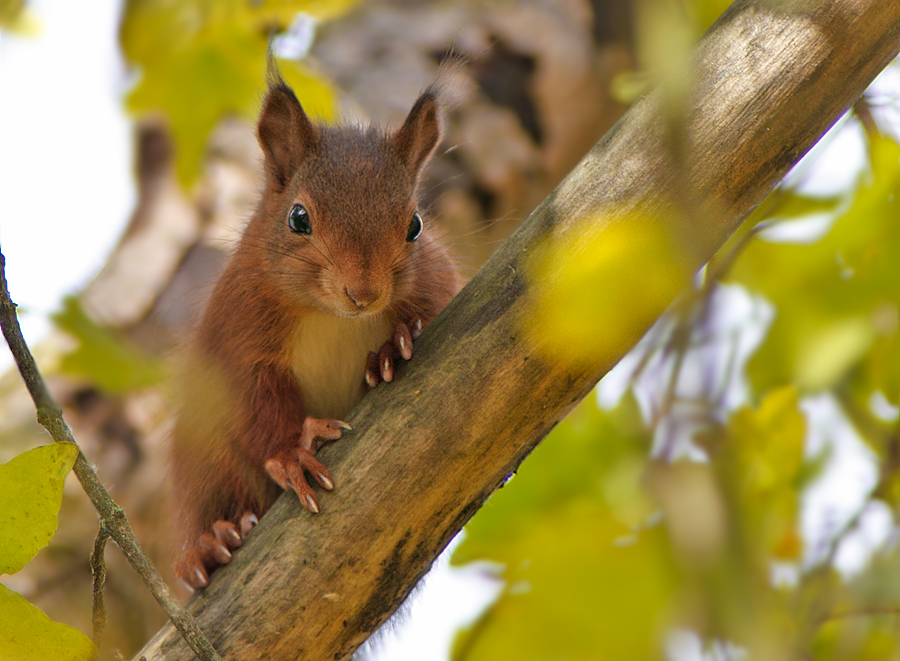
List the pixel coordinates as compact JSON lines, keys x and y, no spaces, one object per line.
{"x":200,"y":61}
{"x":31,"y":489}
{"x":682,"y":513}
{"x":106,"y":359}
{"x":568,"y":530}
{"x":711,"y":513}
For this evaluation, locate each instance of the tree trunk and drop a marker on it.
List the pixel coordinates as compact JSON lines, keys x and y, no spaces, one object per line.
{"x":427,"y":450}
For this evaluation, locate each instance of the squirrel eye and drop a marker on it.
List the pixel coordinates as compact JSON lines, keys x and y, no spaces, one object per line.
{"x":298,"y":220}
{"x":415,"y":227}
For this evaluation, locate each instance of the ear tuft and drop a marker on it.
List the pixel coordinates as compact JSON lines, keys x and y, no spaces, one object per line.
{"x":420,"y":134}
{"x":285,"y":133}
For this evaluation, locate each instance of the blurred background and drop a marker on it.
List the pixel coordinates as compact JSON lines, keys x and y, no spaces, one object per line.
{"x":730,"y":489}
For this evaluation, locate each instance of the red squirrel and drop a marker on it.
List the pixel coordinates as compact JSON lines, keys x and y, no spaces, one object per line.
{"x":334,"y":277}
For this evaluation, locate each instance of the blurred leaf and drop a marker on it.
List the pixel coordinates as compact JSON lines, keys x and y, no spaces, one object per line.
{"x":629,"y":86}
{"x":666,"y":31}
{"x":201,"y":61}
{"x":581,"y":583}
{"x":694,"y":509}
{"x":881,"y":367}
{"x":16,"y":17}
{"x":790,"y":206}
{"x":592,"y":296}
{"x":31,"y":488}
{"x":762,"y":464}
{"x":838,"y":297}
{"x":110,"y":361}
{"x":26,"y":634}
{"x":665,"y":35}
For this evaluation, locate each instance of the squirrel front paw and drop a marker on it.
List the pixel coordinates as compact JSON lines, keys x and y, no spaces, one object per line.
{"x":380,"y":366}
{"x":287,"y":468}
{"x":194,"y":566}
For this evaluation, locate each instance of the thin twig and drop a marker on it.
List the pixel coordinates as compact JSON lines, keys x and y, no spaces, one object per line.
{"x":98,"y":571}
{"x":112,"y":516}
{"x":849,"y":526}
{"x":863,"y":612}
{"x":863,"y":112}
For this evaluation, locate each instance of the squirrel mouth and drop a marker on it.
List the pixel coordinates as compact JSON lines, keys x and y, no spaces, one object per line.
{"x":362,"y":301}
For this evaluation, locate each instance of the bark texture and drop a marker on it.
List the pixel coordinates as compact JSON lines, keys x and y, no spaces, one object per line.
{"x":428,"y":449}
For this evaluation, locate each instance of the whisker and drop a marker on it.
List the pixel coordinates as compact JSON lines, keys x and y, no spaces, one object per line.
{"x":327,"y":258}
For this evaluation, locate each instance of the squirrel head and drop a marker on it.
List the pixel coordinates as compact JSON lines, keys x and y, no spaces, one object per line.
{"x":338,"y":226}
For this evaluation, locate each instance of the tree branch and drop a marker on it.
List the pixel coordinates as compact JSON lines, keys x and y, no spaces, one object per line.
{"x":112,"y":517}
{"x":430,"y":447}
{"x":98,"y":571}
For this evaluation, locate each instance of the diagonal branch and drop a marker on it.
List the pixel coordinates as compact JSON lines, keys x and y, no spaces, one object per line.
{"x":430,"y":448}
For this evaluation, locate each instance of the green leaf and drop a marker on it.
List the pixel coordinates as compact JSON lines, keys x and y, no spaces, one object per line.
{"x":30,"y":497}
{"x":582,"y":587}
{"x":590,"y":455}
{"x":838,"y":298}
{"x":27,"y":634}
{"x":581,"y":582}
{"x":106,"y":359}
{"x":762,"y":463}
{"x":201,"y":61}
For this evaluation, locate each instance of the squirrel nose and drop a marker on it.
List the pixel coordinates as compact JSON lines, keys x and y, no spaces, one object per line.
{"x":362,"y":296}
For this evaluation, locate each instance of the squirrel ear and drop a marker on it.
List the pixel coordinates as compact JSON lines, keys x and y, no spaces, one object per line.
{"x":417,"y":138}
{"x":285,"y":132}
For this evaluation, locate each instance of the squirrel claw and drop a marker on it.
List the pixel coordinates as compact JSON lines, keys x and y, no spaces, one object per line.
{"x":288,"y":469}
{"x":329,"y":430}
{"x":380,"y":366}
{"x":248,"y":522}
{"x":212,"y":550}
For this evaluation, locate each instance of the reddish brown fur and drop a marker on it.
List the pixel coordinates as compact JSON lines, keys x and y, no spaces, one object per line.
{"x":242,"y":404}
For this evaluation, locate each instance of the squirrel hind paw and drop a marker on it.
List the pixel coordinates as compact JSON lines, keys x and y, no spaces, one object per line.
{"x":212,"y":550}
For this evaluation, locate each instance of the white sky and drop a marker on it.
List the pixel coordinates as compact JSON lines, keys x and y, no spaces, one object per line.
{"x":66,"y":185}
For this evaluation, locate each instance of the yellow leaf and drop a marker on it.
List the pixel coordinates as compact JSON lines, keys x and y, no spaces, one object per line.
{"x":201,"y":61}
{"x":762,"y":466}
{"x":27,"y":634}
{"x":30,"y":497}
